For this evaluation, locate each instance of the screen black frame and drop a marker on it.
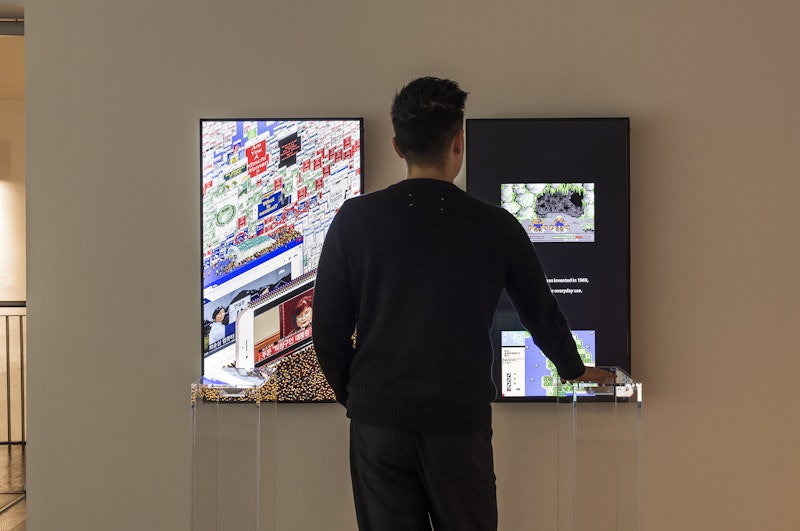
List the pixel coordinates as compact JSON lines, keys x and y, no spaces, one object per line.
{"x":543,"y":140}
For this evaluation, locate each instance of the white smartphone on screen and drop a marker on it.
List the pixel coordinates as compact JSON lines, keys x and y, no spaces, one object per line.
{"x":245,"y":350}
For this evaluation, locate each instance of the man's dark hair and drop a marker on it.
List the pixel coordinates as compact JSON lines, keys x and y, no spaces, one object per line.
{"x":426,"y":114}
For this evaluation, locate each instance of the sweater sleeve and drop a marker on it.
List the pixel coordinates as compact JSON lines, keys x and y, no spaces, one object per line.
{"x":526,"y":285}
{"x":334,"y":315}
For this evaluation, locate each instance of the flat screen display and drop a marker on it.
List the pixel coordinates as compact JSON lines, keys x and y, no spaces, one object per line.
{"x":567,"y":183}
{"x":269,"y":190}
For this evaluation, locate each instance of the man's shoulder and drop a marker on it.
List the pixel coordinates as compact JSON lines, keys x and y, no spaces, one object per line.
{"x":468,"y":204}
{"x":368,"y":200}
{"x":356,"y":203}
{"x":355,"y":208}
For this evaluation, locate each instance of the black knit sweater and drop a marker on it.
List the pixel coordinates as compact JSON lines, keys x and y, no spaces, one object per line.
{"x":418,"y":269}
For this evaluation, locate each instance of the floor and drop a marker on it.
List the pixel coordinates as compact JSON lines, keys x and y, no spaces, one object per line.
{"x":12,"y":487}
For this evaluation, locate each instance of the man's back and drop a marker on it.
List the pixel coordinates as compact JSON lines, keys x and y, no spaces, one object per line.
{"x":424,"y":265}
{"x":416,"y":271}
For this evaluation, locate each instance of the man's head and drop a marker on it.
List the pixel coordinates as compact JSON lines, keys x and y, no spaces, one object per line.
{"x":426,"y":115}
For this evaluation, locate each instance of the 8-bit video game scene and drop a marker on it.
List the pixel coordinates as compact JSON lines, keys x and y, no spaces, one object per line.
{"x":552,"y":212}
{"x":526,"y":372}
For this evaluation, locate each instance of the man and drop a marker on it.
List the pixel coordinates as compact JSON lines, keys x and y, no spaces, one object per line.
{"x":416,"y":270}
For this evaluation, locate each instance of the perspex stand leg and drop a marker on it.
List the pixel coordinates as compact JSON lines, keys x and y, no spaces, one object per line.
{"x":599,"y":431}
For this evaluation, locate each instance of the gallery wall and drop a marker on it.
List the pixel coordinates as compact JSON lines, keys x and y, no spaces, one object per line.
{"x":113,"y":98}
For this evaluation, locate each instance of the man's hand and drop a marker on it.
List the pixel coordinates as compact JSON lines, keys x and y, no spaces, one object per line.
{"x":595,"y":375}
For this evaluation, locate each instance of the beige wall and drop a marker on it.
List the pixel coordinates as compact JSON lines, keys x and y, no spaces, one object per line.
{"x":12,"y":169}
{"x":114,"y":94}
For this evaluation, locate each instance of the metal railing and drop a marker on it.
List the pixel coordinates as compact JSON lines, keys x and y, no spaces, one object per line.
{"x":13,"y":377}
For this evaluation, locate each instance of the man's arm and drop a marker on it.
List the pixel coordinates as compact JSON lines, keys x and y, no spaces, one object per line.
{"x":334,"y":316}
{"x":537,"y":307}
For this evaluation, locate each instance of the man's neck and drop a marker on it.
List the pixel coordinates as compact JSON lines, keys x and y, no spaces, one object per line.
{"x":430,"y":172}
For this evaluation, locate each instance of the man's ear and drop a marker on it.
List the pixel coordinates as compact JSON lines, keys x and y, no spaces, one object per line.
{"x":458,"y":143}
{"x":397,"y":149}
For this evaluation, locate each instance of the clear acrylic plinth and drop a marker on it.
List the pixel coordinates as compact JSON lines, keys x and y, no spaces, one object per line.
{"x":599,"y":432}
{"x":596,"y":442}
{"x":233,"y":454}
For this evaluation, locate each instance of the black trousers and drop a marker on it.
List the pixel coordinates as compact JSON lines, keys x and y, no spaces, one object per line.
{"x":408,"y":480}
